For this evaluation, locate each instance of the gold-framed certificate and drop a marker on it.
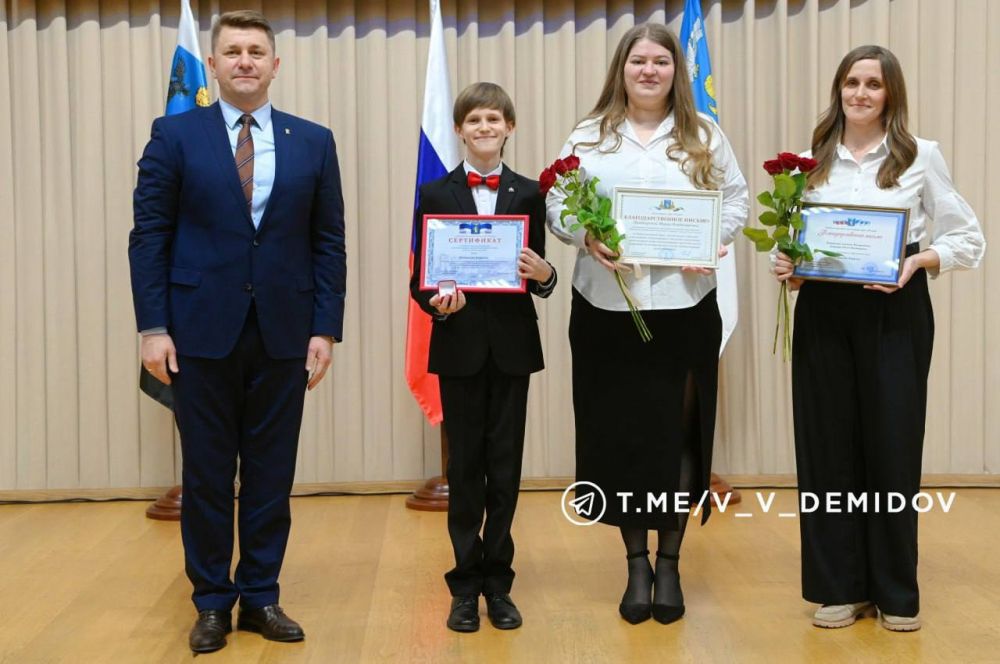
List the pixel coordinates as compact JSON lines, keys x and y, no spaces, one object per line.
{"x":669,"y":227}
{"x":870,"y":241}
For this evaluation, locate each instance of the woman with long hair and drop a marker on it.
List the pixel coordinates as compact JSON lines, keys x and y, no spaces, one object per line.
{"x":645,"y":412}
{"x":861,"y":354}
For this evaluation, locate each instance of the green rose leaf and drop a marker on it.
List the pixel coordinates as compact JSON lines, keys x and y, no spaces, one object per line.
{"x":784,"y":186}
{"x":764,"y":245}
{"x":769,"y":218}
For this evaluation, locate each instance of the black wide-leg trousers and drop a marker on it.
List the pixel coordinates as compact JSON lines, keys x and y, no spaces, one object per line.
{"x":484,"y":416}
{"x":859,"y":375}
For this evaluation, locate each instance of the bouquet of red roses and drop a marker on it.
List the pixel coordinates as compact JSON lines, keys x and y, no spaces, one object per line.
{"x":784,"y":218}
{"x":592,"y":212}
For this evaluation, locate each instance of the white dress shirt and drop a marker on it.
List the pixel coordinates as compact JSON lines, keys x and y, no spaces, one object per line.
{"x":925,"y":188}
{"x":636,"y":165}
{"x":486,"y":198}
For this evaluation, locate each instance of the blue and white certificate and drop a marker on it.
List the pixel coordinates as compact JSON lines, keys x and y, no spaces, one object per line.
{"x":871,"y":242}
{"x":669,"y":227}
{"x":478,"y":253}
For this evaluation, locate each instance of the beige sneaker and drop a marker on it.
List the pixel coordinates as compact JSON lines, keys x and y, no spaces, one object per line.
{"x":842,"y":615}
{"x":899,"y":623}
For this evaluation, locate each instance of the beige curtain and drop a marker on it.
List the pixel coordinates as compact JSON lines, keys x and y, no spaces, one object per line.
{"x":81,"y":80}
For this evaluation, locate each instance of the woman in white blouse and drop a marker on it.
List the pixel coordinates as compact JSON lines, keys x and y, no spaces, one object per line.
{"x":861,"y":355}
{"x":645,"y":412}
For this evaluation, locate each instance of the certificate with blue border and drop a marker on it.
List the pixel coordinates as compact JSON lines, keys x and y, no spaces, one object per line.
{"x":871,"y":242}
{"x":478,"y":252}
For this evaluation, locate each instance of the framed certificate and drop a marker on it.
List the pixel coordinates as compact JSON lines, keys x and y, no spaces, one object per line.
{"x":478,"y":253}
{"x":669,"y":227}
{"x":871,"y":242}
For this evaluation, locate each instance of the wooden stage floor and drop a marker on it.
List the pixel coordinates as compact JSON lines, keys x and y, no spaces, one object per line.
{"x":96,"y":583}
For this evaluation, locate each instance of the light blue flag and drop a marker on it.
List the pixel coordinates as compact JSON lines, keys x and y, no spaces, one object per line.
{"x":187,"y":87}
{"x":695,"y":45}
{"x":696,"y":56}
{"x":186,"y":90}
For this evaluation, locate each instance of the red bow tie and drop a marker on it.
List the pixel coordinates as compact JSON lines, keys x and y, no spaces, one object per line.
{"x":475,"y":179}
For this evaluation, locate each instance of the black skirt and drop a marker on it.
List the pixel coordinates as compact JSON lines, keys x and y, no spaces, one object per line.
{"x":628,"y":402}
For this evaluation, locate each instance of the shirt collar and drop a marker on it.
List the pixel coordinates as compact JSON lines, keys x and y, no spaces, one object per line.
{"x":663,"y":130}
{"x":469,"y":168}
{"x":231,"y":115}
{"x":877,"y":151}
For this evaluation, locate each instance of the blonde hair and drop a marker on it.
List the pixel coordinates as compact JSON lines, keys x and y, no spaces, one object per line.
{"x":686,"y":146}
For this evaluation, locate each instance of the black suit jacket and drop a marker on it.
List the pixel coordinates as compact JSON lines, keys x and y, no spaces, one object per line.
{"x":502,"y":324}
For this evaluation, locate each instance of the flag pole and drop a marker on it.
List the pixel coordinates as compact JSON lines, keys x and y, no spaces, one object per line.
{"x":436,"y":156}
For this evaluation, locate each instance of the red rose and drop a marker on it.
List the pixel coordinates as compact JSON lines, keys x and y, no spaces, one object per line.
{"x":806,"y":164}
{"x":789,"y":160}
{"x":559,"y":166}
{"x":572,"y":162}
{"x":546,"y":180}
{"x":773,"y":166}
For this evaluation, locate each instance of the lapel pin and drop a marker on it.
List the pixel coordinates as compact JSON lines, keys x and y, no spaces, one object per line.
{"x":287,"y":131}
{"x":510,"y":190}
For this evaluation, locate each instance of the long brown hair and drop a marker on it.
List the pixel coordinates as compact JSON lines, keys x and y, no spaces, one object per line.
{"x":686,"y":146}
{"x":830,"y":130}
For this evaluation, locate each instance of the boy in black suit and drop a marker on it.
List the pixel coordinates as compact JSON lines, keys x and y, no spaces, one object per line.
{"x":484,"y":347}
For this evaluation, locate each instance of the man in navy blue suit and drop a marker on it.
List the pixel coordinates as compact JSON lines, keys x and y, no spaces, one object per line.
{"x":238,"y":279}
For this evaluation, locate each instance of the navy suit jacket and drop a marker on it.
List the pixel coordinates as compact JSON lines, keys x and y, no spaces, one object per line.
{"x":196,"y":259}
{"x":501,"y":325}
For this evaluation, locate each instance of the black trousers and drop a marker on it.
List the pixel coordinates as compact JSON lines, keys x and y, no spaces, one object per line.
{"x":859,"y":377}
{"x":245,"y":406}
{"x":484,"y":418}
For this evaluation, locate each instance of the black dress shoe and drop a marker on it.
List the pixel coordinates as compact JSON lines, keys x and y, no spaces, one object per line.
{"x":502,"y":612}
{"x":464,"y":615}
{"x":209,"y":631}
{"x":271,"y":623}
{"x":635,"y":612}
{"x":667,"y":613}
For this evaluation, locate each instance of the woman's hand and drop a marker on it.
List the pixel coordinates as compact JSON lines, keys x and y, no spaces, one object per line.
{"x":448,"y":304}
{"x":705,"y":270}
{"x":600,"y":253}
{"x":532,"y":266}
{"x":783,"y":270}
{"x":928,"y":258}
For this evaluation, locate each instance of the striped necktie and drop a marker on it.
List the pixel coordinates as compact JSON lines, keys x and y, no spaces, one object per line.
{"x":244,"y":158}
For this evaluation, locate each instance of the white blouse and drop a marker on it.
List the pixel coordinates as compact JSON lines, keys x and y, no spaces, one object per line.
{"x":636,"y":165}
{"x":925,"y":188}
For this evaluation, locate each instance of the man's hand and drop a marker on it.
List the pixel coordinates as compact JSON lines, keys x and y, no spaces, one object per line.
{"x":158,"y":355}
{"x":532,"y":266}
{"x":448,"y":304}
{"x":318,"y":359}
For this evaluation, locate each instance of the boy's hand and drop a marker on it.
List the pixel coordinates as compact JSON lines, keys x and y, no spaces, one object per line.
{"x":448,"y":304}
{"x":532,"y":266}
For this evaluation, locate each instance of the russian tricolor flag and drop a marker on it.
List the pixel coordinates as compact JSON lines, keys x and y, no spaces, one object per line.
{"x":437,"y":156}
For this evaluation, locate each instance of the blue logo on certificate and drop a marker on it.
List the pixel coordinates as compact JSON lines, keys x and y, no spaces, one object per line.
{"x":668,"y":205}
{"x":475,"y":228}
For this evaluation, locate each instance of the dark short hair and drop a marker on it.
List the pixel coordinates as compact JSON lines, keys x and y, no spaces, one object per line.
{"x":483,"y":95}
{"x":243,"y":18}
